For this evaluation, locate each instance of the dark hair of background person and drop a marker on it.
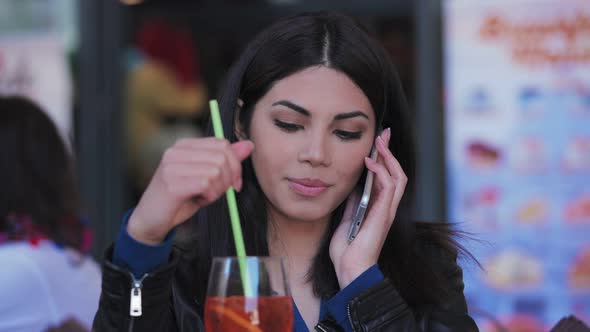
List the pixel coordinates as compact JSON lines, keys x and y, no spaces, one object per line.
{"x":37,"y":173}
{"x":289,"y":46}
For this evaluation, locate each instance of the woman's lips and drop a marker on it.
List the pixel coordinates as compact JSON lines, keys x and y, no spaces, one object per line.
{"x":307,"y":187}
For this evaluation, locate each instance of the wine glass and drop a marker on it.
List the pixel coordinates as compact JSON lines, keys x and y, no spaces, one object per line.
{"x":248,"y":294}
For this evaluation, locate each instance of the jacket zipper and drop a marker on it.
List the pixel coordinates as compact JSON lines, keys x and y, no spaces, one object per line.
{"x":320,"y":328}
{"x":135,"y":300}
{"x":349,"y":316}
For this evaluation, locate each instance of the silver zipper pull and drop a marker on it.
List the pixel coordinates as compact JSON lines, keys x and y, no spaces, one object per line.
{"x":135,"y":303}
{"x":135,"y":299}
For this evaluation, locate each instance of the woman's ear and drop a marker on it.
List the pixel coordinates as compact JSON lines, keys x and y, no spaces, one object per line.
{"x":238,"y":127}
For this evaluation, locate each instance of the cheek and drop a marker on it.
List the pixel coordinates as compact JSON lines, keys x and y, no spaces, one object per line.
{"x":349,"y":176}
{"x":273,"y":150}
{"x":261,"y":162}
{"x":262,"y":150}
{"x":269,"y":158}
{"x":350,"y":163}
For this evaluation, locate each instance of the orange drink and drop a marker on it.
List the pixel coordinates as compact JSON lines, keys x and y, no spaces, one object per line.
{"x":248,"y":294}
{"x":238,"y":314}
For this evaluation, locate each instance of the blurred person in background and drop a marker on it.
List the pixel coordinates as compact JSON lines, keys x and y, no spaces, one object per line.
{"x":165,"y":96}
{"x":47,"y":279}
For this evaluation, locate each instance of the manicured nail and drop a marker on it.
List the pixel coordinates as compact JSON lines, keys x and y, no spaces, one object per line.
{"x":387,"y":134}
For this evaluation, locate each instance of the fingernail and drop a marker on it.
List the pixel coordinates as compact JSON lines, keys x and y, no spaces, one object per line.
{"x":251,"y":145}
{"x":387,"y":134}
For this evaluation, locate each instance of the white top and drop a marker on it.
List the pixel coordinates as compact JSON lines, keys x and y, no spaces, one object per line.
{"x":43,"y":286}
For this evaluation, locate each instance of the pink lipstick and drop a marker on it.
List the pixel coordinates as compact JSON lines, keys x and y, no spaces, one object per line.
{"x":308,"y":187}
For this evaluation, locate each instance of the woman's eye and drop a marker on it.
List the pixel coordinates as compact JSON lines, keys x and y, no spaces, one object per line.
{"x":347,"y":135}
{"x":288,"y":127}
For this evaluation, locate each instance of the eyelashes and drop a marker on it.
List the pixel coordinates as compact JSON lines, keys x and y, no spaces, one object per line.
{"x":287,"y":126}
{"x":348,"y":135}
{"x":342,"y":134}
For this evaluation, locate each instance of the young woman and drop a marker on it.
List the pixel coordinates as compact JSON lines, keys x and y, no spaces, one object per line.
{"x":303,"y":105}
{"x":47,"y":278}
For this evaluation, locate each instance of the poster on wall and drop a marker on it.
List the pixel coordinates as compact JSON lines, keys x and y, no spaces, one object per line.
{"x":517,"y":117}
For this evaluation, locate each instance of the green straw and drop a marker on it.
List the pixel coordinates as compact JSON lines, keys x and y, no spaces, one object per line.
{"x":233,"y":207}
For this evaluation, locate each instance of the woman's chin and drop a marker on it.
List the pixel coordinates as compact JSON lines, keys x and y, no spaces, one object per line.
{"x":306,"y":210}
{"x":307,"y":213}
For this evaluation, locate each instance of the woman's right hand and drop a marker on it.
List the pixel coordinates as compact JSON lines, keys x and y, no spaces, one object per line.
{"x":193,"y":173}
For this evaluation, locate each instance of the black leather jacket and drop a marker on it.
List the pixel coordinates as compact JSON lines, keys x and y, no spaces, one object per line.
{"x":166,"y":305}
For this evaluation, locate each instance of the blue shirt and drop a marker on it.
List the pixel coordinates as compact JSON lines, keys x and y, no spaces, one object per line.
{"x":141,"y":258}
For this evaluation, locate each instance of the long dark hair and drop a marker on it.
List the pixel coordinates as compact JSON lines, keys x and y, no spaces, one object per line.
{"x":36,"y":173}
{"x":291,"y":45}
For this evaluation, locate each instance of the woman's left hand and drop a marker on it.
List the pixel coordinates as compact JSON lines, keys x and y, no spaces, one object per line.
{"x":351,"y":260}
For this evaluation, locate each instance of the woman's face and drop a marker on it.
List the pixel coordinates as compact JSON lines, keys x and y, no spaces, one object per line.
{"x":311,"y":132}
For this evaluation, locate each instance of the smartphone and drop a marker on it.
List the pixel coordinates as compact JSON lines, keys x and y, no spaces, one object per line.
{"x":359,"y":216}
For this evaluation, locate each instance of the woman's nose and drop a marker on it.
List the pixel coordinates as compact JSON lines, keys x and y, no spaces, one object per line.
{"x":315,"y":151}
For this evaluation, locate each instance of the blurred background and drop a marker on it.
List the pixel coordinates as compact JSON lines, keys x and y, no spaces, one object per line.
{"x":500,"y":93}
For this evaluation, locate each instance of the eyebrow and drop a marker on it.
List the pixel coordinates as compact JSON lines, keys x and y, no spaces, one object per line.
{"x":301,"y":110}
{"x":292,"y":106}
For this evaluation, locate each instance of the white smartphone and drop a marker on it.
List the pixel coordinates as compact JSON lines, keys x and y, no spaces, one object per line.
{"x":359,"y":216}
